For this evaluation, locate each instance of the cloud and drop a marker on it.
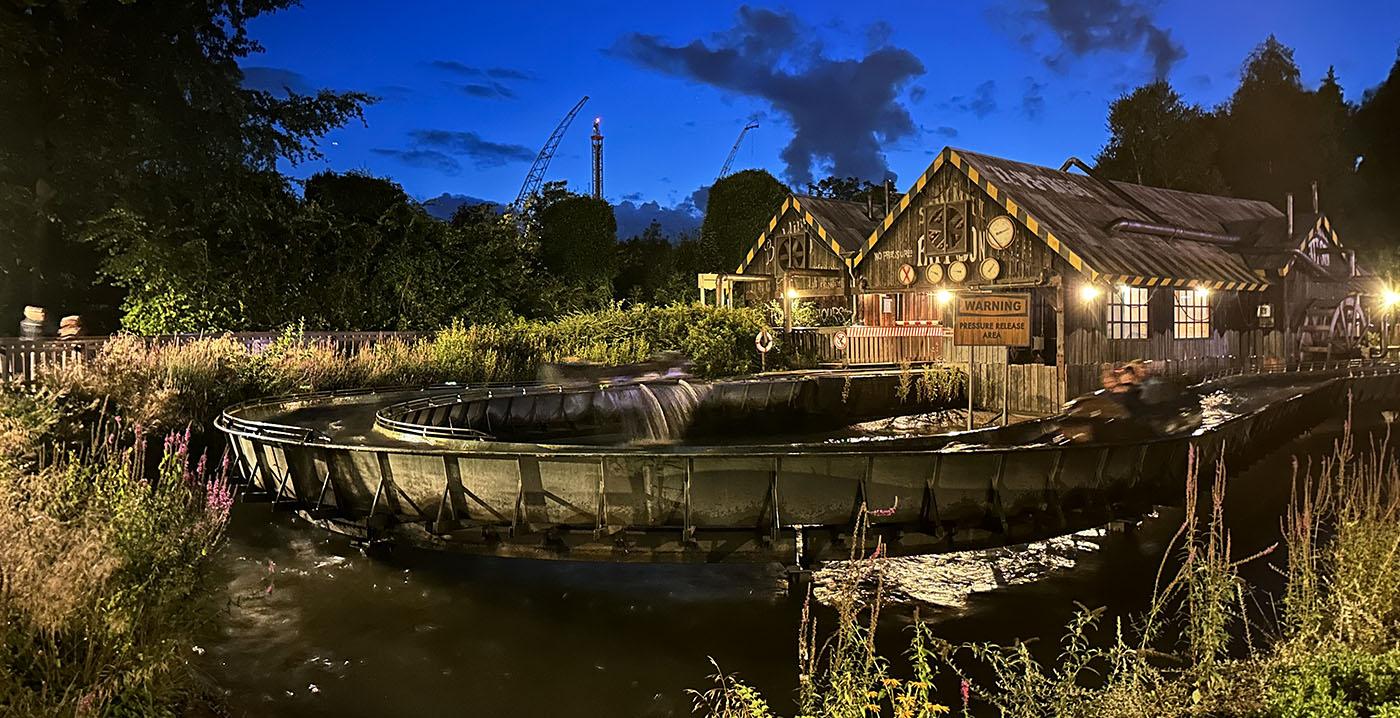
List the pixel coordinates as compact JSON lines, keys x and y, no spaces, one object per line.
{"x":276,"y":80}
{"x":1032,"y":101}
{"x":633,"y":217}
{"x":917,"y":93}
{"x":982,"y":102}
{"x":495,"y":73}
{"x":493,"y":91}
{"x":429,"y":159}
{"x":483,"y":153}
{"x":945,"y":131}
{"x":1085,"y":26}
{"x":840,"y":110}
{"x":633,"y":196}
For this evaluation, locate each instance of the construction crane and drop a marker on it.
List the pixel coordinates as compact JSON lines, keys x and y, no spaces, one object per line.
{"x":535,"y":177}
{"x":730,"y":159}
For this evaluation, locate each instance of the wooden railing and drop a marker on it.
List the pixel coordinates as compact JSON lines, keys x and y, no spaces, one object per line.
{"x":23,"y":360}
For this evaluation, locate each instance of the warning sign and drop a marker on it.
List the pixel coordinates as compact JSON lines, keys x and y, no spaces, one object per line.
{"x":906,"y":274}
{"x":998,"y":320}
{"x":840,"y":340}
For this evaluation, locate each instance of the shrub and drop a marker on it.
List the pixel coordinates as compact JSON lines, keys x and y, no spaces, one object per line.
{"x":106,"y":578}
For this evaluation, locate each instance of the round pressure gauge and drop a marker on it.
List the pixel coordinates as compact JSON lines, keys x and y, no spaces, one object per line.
{"x":989,"y":269}
{"x":934,"y":273}
{"x":1001,"y":231}
{"x":957,"y":271}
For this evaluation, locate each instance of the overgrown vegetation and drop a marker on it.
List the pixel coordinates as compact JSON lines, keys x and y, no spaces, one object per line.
{"x":104,"y":567}
{"x":168,"y":385}
{"x":1334,"y":650}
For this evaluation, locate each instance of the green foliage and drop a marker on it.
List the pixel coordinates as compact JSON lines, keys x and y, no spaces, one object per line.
{"x":1338,"y":684}
{"x":1156,"y":139}
{"x":737,"y":211}
{"x":578,"y":239}
{"x":107,"y":577}
{"x":136,"y":106}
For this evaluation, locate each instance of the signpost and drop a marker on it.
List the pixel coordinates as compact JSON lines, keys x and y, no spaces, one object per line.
{"x":992,"y":320}
{"x":840,"y":340}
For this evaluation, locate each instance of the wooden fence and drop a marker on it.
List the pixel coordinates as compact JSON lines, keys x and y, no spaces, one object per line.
{"x":22,"y":360}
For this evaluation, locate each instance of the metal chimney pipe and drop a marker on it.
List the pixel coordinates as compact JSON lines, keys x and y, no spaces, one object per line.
{"x":887,"y":196}
{"x":1290,"y":214}
{"x":1315,"y":204}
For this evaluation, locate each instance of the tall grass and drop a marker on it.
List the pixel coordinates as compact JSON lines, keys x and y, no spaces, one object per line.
{"x":104,"y":576}
{"x":1196,"y":651}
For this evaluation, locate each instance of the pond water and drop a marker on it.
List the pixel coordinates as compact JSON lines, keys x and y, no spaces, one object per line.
{"x":315,"y":628}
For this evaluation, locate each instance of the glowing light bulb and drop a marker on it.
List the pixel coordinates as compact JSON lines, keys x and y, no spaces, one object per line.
{"x":1390,"y":298}
{"x":791,"y":293}
{"x":1088,"y":292}
{"x":943,"y":296}
{"x":1203,"y":292}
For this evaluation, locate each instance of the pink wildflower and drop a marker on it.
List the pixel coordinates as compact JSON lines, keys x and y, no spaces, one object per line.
{"x":966,"y":693}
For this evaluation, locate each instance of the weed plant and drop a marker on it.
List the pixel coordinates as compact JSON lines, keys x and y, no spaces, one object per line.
{"x":105,"y":575}
{"x":1334,"y":651}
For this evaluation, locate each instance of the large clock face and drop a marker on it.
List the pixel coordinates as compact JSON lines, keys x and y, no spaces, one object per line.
{"x":957,"y":271}
{"x":1000,"y":232}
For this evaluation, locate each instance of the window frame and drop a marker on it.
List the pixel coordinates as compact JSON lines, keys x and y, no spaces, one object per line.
{"x":1127,"y":318}
{"x":1192,"y":319}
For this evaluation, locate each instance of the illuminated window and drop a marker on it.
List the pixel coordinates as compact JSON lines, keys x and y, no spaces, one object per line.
{"x":1191,"y":314}
{"x":1127,"y":313}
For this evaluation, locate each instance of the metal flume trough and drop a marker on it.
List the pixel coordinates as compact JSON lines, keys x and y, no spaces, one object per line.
{"x":502,"y":470}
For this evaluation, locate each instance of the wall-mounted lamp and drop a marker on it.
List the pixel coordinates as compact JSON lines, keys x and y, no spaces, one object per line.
{"x":943,"y":296}
{"x":791,"y":293}
{"x":1203,"y":292}
{"x":1088,"y":292}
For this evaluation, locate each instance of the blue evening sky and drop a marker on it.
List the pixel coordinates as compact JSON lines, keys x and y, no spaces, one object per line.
{"x":471,"y":90}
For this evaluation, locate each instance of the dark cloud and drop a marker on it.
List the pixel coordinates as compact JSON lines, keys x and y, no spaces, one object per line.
{"x":493,"y":91}
{"x":495,"y":73}
{"x":633,"y":196}
{"x":633,"y":217}
{"x":840,"y":110}
{"x":393,"y":93}
{"x":917,"y":93}
{"x":429,"y":159}
{"x":981,"y":102}
{"x":276,"y":80}
{"x":482,"y":152}
{"x":699,"y":198}
{"x":1084,"y":26}
{"x":945,"y":131}
{"x":1032,"y":101}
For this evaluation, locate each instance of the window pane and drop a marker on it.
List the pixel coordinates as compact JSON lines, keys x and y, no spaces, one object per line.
{"x":1127,"y":313}
{"x":1190,"y":314}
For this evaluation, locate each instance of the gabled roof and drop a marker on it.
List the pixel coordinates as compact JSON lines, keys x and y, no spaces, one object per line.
{"x":1072,"y":214}
{"x":1272,"y":233}
{"x":842,"y":226}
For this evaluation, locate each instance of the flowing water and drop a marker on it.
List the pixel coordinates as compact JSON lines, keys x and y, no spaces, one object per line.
{"x":314,"y":628}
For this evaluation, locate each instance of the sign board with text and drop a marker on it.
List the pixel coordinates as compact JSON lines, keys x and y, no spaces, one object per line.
{"x":996,"y":320}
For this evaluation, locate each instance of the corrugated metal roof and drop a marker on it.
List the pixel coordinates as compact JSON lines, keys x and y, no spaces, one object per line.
{"x":845,"y":222}
{"x":1077,"y":210}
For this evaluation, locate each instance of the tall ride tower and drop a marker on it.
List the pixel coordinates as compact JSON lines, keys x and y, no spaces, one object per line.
{"x":597,"y":159}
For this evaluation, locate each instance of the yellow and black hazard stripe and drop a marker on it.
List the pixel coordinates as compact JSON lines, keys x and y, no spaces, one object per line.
{"x":791,"y":203}
{"x":1037,"y":228}
{"x":1140,"y":281}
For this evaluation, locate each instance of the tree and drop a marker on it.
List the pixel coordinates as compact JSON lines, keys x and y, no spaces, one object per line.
{"x":578,"y":239}
{"x":1378,"y":169}
{"x":1274,"y":135}
{"x":135,"y":107}
{"x":737,"y":211}
{"x":1156,"y":139}
{"x":851,"y":189}
{"x":645,"y":264}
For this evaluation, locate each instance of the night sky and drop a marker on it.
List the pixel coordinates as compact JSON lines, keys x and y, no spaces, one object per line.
{"x":470,"y":91}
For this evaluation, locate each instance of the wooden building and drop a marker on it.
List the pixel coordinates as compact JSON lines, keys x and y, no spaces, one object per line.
{"x":1115,"y":271}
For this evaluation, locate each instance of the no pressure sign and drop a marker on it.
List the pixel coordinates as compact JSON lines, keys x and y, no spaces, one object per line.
{"x":840,"y":339}
{"x":997,"y":320}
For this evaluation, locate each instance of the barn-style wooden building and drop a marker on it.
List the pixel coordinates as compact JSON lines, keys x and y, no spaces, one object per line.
{"x":1115,"y":271}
